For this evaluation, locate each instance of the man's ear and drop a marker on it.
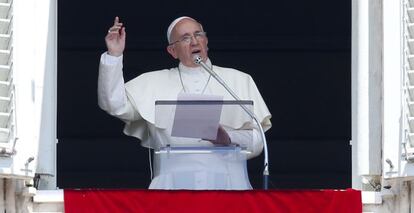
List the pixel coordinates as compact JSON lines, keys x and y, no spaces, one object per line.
{"x":171,"y":51}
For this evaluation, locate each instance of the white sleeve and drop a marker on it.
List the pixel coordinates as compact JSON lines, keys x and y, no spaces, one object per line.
{"x":250,"y":139}
{"x":111,"y":90}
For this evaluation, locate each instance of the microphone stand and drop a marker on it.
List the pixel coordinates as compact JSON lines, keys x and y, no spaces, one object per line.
{"x":198,"y":60}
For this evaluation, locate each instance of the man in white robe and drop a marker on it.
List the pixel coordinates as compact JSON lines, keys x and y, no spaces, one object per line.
{"x":133,"y":102}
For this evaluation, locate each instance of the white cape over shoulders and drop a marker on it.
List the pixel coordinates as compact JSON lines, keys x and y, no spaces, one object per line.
{"x":149,"y":87}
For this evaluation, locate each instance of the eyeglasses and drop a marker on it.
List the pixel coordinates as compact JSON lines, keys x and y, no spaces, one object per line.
{"x":188,"y":38}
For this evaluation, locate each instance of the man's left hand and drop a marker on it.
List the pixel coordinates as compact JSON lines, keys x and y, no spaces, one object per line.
{"x":222,"y":137}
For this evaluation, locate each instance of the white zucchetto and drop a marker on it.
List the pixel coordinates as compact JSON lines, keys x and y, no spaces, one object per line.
{"x":172,"y":25}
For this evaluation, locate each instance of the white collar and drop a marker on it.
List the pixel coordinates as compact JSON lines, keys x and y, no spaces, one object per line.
{"x":193,"y":70}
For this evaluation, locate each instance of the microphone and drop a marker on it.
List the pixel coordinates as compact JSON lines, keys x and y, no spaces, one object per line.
{"x":198,"y":60}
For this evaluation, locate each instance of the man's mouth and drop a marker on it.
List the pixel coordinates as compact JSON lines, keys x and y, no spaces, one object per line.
{"x":196,"y":52}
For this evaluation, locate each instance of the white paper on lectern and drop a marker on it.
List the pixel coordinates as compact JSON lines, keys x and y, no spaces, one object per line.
{"x":198,"y":120}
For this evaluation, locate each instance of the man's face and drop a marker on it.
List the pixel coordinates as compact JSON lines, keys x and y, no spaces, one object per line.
{"x":185,"y":50}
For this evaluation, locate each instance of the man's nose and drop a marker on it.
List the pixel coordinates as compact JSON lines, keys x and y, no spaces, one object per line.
{"x":194,"y":40}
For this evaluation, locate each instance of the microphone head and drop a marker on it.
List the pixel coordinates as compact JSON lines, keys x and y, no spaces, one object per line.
{"x":197,"y":59}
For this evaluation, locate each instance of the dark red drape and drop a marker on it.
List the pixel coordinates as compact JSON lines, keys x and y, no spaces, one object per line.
{"x":309,"y":201}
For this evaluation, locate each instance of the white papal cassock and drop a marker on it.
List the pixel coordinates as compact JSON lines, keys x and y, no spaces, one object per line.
{"x":134,"y":103}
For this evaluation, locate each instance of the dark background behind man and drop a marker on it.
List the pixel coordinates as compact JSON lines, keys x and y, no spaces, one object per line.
{"x":298,"y":52}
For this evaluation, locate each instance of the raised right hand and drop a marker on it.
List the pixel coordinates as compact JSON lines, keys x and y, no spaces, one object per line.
{"x":115,"y":39}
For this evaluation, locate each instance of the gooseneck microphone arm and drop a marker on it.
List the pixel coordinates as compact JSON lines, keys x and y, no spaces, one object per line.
{"x":199,"y":60}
